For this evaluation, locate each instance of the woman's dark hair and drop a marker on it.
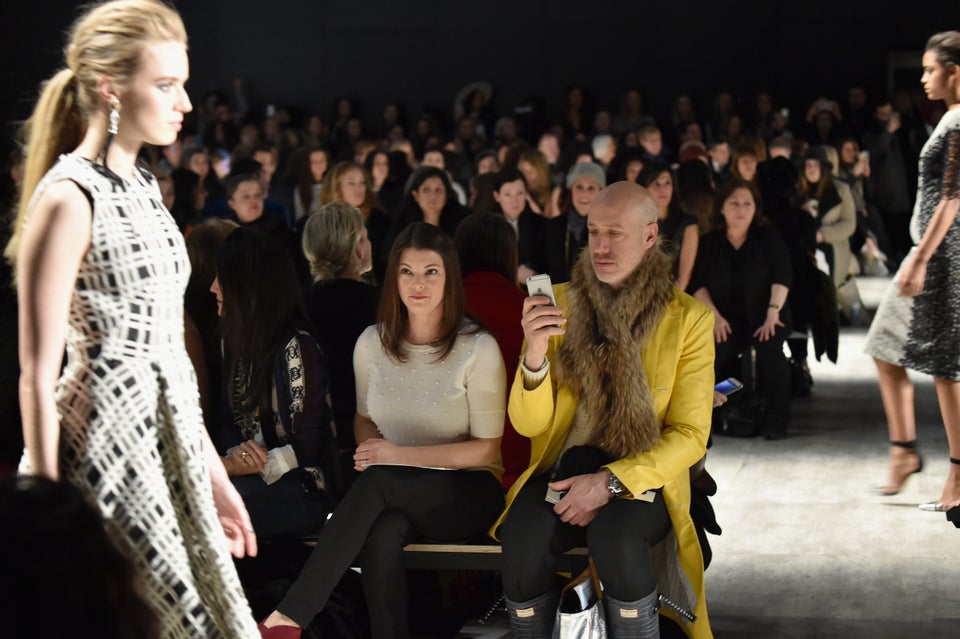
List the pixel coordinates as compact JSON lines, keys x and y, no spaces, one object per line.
{"x":814,"y":190}
{"x":185,"y":183}
{"x":368,"y":162}
{"x":54,"y":547}
{"x":305,"y":180}
{"x":487,"y":242}
{"x":651,"y":171}
{"x":261,"y":303}
{"x":696,"y":191}
{"x":724,"y":193}
{"x":392,"y":319}
{"x":946,"y":45}
{"x":409,"y":210}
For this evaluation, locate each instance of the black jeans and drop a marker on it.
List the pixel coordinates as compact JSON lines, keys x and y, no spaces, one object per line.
{"x":619,"y":538}
{"x":773,"y":370}
{"x":386,"y":508}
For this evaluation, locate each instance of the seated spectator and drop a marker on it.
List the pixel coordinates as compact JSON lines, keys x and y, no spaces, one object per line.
{"x":513,"y":201}
{"x":386,"y":188}
{"x":349,"y":182}
{"x":487,"y":247}
{"x":743,"y":273}
{"x":313,"y":167}
{"x":246,"y":204}
{"x":678,"y":230}
{"x":189,"y":195}
{"x":719,"y":152}
{"x":696,"y":190}
{"x":831,"y":203}
{"x":203,"y":341}
{"x":430,"y":413}
{"x":823,"y":122}
{"x":56,"y":552}
{"x":744,"y":163}
{"x":487,"y":162}
{"x":604,"y":149}
{"x":340,"y":304}
{"x":566,"y":235}
{"x":651,"y":141}
{"x":429,"y":199}
{"x":780,"y":147}
{"x":197,"y":159}
{"x":482,"y":188}
{"x":282,"y":455}
{"x":631,"y":116}
{"x":854,"y":170}
{"x":541,"y":193}
{"x":434,"y":156}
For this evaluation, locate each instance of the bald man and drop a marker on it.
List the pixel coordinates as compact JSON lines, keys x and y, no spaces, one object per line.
{"x":615,"y":390}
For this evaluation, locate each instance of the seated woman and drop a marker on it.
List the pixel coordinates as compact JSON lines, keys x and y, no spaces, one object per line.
{"x":349,"y":182}
{"x":340,"y":305}
{"x":678,"y":229}
{"x":313,"y":165}
{"x":566,"y":235}
{"x":430,"y":408}
{"x":743,"y":273}
{"x":284,"y":463}
{"x":430,"y":199}
{"x":487,"y":246}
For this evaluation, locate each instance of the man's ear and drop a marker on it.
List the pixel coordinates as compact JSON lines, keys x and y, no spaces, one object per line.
{"x":652,"y":230}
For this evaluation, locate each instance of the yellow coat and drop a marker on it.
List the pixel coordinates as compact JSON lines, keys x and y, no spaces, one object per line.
{"x":678,"y":361}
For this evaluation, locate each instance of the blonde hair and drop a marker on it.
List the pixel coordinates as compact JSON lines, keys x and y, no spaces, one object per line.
{"x":107,"y":40}
{"x":330,"y":190}
{"x":329,"y":238}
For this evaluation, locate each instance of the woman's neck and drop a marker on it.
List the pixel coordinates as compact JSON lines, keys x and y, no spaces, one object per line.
{"x":737,"y":237}
{"x":432,"y":217}
{"x":423,"y":328}
{"x":121,"y":154}
{"x":663,"y":212}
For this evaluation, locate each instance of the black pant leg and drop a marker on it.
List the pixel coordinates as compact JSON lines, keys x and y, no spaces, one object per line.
{"x":533,"y":537}
{"x":384,"y":576}
{"x":620,"y":537}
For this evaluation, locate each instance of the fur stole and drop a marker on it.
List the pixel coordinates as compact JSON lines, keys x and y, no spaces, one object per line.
{"x":600,"y":358}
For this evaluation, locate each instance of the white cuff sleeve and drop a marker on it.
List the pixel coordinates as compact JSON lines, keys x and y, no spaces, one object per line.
{"x":280,"y":460}
{"x":533,"y":379}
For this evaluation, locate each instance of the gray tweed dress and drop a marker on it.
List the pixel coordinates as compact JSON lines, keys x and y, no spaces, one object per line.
{"x":922,"y":333}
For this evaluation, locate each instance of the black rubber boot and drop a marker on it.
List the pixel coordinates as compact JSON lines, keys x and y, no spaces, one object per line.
{"x":633,"y":619}
{"x":533,"y":619}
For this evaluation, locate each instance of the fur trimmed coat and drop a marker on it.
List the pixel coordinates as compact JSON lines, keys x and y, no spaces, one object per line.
{"x":678,"y":360}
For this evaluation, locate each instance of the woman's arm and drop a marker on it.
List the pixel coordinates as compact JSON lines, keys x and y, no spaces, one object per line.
{"x":778,"y":297}
{"x":914,"y":271}
{"x":473,"y":453}
{"x":364,"y":429}
{"x":721,"y":327}
{"x":688,"y":255}
{"x":51,"y":250}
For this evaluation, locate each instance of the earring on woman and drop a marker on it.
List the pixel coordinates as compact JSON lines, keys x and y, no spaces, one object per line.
{"x":114,"y":117}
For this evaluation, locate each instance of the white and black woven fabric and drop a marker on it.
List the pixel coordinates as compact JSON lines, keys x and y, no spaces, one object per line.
{"x":132,"y":435}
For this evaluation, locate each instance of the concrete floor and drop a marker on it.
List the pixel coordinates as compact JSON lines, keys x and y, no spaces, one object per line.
{"x":807,"y":550}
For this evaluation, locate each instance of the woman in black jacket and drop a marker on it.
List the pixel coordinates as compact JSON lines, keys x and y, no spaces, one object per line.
{"x":743,"y":273}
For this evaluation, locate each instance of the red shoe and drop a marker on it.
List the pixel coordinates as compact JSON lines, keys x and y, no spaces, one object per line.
{"x":279,"y":632}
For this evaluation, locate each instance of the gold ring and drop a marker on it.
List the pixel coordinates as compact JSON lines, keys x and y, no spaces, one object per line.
{"x":244,"y":454}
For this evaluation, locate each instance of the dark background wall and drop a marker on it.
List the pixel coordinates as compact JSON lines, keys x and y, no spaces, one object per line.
{"x":420,"y":52}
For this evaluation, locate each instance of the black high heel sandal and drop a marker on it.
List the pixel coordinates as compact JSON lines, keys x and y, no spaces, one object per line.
{"x":937,"y":507}
{"x":889,"y":490}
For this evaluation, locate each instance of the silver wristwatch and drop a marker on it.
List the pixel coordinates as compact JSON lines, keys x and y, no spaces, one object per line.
{"x":614,"y":485}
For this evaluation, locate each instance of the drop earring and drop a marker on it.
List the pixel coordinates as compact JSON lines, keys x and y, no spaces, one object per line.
{"x":114,"y":117}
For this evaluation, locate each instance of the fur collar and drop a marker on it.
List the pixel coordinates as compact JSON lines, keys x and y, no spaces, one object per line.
{"x":600,"y":358}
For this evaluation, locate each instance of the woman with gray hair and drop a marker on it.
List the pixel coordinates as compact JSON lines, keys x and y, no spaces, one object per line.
{"x":340,"y":305}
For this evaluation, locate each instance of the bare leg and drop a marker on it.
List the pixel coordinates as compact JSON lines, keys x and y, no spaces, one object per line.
{"x":948,"y":392}
{"x":896,"y":390}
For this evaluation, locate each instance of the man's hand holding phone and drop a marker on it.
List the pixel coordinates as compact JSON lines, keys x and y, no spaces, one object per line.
{"x":541,"y":320}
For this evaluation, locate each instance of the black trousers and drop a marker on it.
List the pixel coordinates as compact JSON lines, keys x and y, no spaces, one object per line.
{"x":292,"y":506}
{"x":773,"y":370}
{"x":619,"y":538}
{"x":386,"y":508}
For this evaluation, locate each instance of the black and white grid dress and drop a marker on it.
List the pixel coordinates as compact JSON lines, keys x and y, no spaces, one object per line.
{"x":922,"y":333}
{"x":132,"y":435}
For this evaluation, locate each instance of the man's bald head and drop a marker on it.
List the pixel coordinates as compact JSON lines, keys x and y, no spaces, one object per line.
{"x":630,"y":198}
{"x":622,"y":225}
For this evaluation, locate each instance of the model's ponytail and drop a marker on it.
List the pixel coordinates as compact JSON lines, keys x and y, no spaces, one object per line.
{"x":56,"y":126}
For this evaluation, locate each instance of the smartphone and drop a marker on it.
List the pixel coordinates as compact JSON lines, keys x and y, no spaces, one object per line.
{"x":541,"y":285}
{"x":553,"y":496}
{"x":785,"y":112}
{"x":729,"y":386}
{"x":865,"y":155}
